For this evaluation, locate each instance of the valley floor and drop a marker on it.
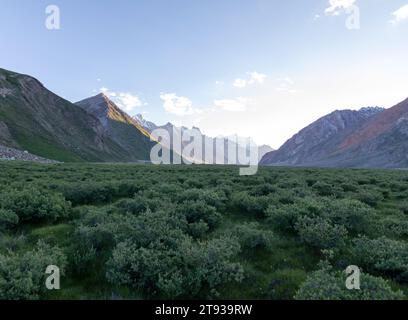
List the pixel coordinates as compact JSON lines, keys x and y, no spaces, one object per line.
{"x":133,"y":231}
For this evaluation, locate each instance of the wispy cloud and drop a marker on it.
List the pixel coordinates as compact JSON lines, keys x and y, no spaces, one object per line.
{"x":234,"y":105}
{"x":400,"y":14}
{"x":337,"y":6}
{"x":285,"y":85}
{"x":177,"y":105}
{"x":128,"y":102}
{"x":251,"y":79}
{"x":240,"y":83}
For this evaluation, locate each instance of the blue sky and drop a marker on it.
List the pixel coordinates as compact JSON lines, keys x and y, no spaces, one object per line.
{"x":259,"y":68}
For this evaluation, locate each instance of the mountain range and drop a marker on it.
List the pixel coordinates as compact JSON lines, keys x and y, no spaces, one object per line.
{"x":368,"y":138}
{"x":220,"y":150}
{"x":35,"y":120}
{"x":35,"y":123}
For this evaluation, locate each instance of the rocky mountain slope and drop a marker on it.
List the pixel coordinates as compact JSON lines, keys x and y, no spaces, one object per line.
{"x":370,"y":137}
{"x":321,"y":139}
{"x":381,"y":142}
{"x":33,"y":118}
{"x":119,"y":126}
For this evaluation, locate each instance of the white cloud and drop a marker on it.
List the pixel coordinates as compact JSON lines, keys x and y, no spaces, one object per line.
{"x":240,"y":83}
{"x":252,"y":78}
{"x":336,"y":6}
{"x":256,"y":77}
{"x":126,"y":101}
{"x":235,"y":105}
{"x":285,"y":85}
{"x":129,"y":102}
{"x":401,"y":14}
{"x":177,"y":105}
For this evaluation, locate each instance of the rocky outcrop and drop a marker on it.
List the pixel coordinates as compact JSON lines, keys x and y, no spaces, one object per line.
{"x":11,"y":154}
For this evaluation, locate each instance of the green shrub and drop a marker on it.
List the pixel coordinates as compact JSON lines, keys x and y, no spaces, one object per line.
{"x":33,"y":204}
{"x":263,"y":190}
{"x":285,"y":284}
{"x":133,"y":206}
{"x":245,"y":203}
{"x":90,"y":193}
{"x":321,"y":233}
{"x":8,"y":219}
{"x":198,"y":229}
{"x":251,"y":237}
{"x":22,"y":277}
{"x":285,"y":217}
{"x":161,"y":272}
{"x":210,"y":197}
{"x":196,"y":211}
{"x":370,"y":197}
{"x":390,"y":257}
{"x":394,"y":226}
{"x":327,"y":284}
{"x":323,"y":189}
{"x":351,"y":214}
{"x":404,"y":207}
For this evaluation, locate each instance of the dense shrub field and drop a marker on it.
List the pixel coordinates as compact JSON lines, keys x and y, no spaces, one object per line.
{"x":121,"y":231}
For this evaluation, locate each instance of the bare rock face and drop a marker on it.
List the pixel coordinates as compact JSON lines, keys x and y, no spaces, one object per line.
{"x":320,"y":140}
{"x":368,"y":138}
{"x":4,"y":92}
{"x":5,"y":136}
{"x":381,"y":142}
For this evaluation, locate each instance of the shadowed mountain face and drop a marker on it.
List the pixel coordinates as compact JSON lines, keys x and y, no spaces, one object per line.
{"x":368,"y":138}
{"x":119,"y":126}
{"x":33,"y":118}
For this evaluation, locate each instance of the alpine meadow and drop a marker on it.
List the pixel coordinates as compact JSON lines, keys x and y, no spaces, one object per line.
{"x":202,"y":232}
{"x":177,"y":159}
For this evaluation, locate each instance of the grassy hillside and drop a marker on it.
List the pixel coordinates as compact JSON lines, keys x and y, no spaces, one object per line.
{"x":139,"y":231}
{"x":34,"y":119}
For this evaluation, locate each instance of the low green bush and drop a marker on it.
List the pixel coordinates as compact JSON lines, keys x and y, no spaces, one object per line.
{"x":8,"y":219}
{"x":389,"y":257}
{"x":251,"y":237}
{"x":328,"y":284}
{"x":22,"y":276}
{"x":34,"y":204}
{"x":321,"y":233}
